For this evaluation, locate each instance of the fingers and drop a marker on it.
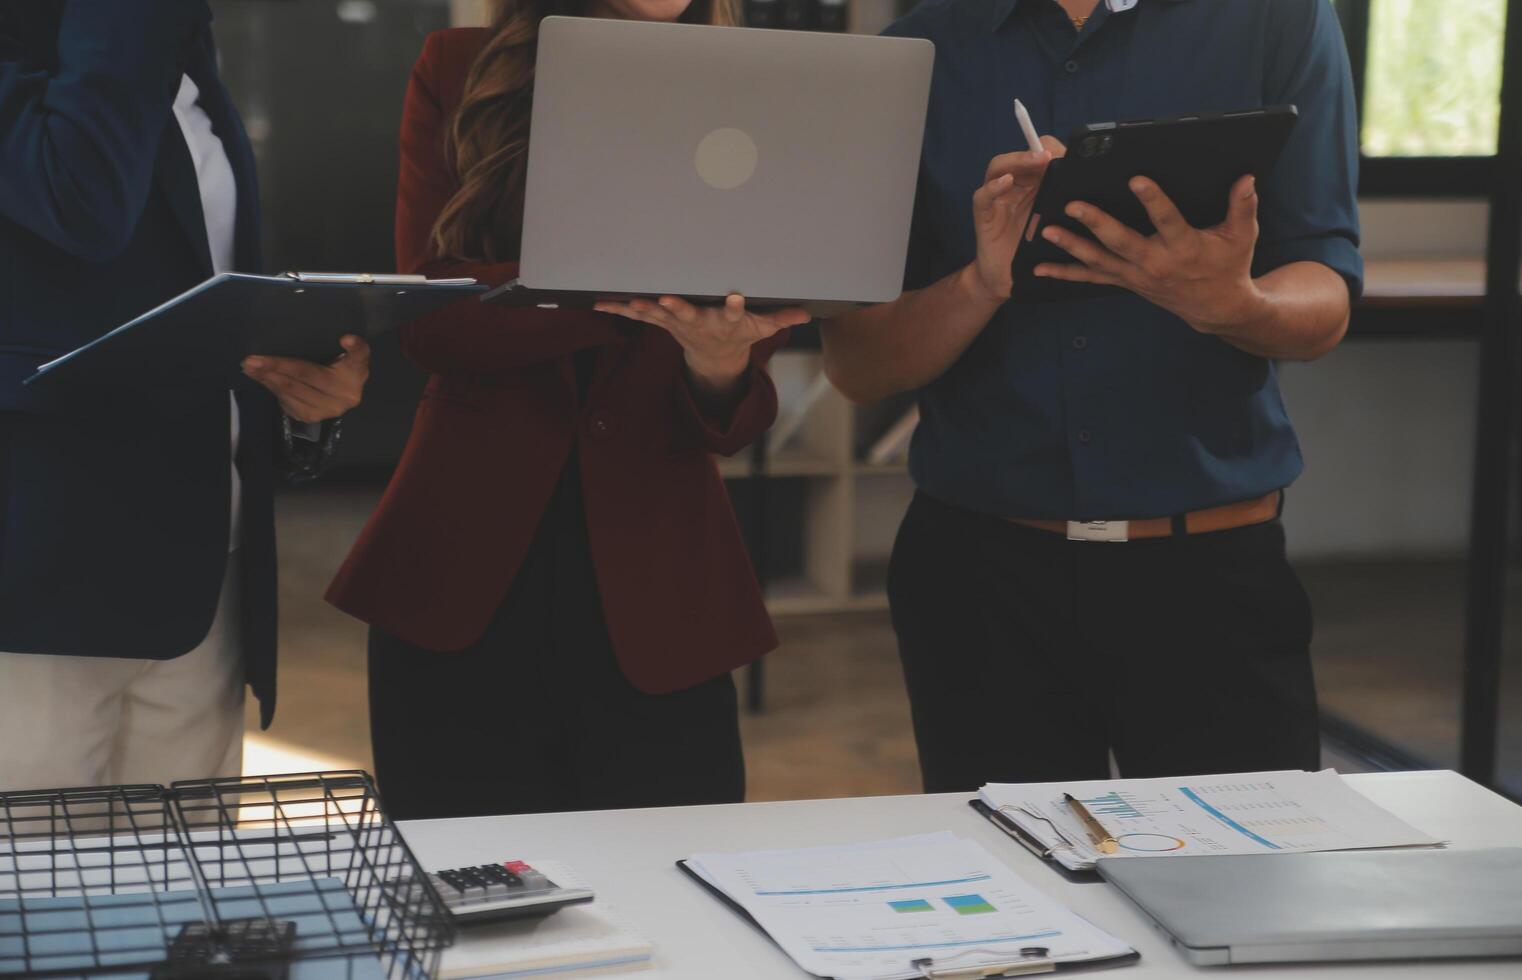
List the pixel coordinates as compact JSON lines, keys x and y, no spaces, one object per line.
{"x":356,"y":351}
{"x":1026,"y":167}
{"x":683,"y":311}
{"x":682,"y":318}
{"x":1118,"y":238}
{"x":1089,"y":253}
{"x":1054,"y":146}
{"x":329,"y":391}
{"x":1170,"y":224}
{"x":615,"y":309}
{"x":301,"y":401}
{"x":641,"y":310}
{"x":986,"y":200}
{"x":1076,"y":273}
{"x":791,"y":316}
{"x":1242,"y":210}
{"x":290,"y":368}
{"x":734,"y":307}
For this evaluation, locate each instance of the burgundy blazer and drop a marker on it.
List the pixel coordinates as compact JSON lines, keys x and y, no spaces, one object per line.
{"x":493,"y":431}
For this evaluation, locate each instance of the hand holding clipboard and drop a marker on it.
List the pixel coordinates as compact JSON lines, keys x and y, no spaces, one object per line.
{"x":203,"y":336}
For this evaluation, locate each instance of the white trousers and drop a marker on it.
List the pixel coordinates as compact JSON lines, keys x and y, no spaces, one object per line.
{"x":91,"y":721}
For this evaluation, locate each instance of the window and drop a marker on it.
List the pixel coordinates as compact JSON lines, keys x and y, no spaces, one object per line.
{"x":1432,"y":84}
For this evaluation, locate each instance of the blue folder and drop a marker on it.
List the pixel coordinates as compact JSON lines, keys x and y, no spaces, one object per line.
{"x":132,"y":932}
{"x":202,"y":336}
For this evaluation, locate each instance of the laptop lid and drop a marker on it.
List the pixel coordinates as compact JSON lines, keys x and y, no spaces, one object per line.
{"x":1345,"y":905}
{"x":698,"y":161}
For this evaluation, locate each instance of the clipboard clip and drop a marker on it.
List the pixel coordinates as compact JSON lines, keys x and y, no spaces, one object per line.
{"x":357,"y":278}
{"x":1033,"y":960}
{"x":1066,"y":841}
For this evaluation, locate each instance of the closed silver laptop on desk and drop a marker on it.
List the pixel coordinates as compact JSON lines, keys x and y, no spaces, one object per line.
{"x":698,"y":161}
{"x":1346,"y":905}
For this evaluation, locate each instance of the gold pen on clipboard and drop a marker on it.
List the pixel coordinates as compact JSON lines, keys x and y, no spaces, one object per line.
{"x":1102,"y":838}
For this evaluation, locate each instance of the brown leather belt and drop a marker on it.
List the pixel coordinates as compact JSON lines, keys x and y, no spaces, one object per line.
{"x":1223,"y":518}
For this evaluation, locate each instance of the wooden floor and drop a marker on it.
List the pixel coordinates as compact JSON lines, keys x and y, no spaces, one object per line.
{"x":836,"y":721}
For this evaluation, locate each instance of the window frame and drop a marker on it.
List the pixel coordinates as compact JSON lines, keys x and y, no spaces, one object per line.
{"x":1398,"y":177}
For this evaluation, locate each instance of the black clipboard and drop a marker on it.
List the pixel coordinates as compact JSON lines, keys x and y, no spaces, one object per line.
{"x":1036,"y":847}
{"x":202,"y":335}
{"x":1195,"y":159}
{"x":1044,"y":966}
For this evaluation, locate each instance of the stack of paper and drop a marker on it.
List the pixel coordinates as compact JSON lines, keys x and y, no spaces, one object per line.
{"x":1250,"y":813}
{"x":578,"y":939}
{"x":874,"y":911}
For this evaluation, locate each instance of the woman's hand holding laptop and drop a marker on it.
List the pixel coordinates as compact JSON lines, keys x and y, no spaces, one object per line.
{"x":716,"y":340}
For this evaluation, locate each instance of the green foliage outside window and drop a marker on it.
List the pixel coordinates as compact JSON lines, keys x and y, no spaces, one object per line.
{"x":1434,"y":77}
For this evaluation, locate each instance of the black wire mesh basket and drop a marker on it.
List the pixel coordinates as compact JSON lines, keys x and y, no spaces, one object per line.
{"x":297,"y":877}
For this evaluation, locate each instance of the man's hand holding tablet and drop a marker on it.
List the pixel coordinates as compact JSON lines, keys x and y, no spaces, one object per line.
{"x":1202,"y":275}
{"x":1200,"y":270}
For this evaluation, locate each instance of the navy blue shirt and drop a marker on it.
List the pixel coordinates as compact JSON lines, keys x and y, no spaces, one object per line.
{"x":1112,"y":408}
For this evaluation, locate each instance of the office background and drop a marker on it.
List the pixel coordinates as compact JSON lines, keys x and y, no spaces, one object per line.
{"x":1404,"y":525}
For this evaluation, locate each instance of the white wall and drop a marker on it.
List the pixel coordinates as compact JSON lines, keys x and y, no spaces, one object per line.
{"x":1387,"y":426}
{"x":1387,"y":429}
{"x":1424,"y":228}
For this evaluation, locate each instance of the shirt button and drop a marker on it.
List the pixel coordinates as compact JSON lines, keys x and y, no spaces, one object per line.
{"x":1085,"y":436}
{"x":1080,"y":342}
{"x":1071,"y":66}
{"x":600,"y":424}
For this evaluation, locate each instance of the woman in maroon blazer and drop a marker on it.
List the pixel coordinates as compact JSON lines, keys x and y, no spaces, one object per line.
{"x":555,"y":580}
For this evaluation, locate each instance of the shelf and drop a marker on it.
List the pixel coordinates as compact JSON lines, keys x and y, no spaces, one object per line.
{"x":869,"y":577}
{"x":798,"y":464}
{"x":799,"y":597}
{"x":734,"y":467}
{"x":881,"y":469}
{"x":792,"y":466}
{"x":1423,"y":282}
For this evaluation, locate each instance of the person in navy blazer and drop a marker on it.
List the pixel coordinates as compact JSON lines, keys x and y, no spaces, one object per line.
{"x":137,"y":552}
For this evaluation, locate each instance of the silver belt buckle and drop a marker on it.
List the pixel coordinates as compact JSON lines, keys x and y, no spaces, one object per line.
{"x":1099,"y":530}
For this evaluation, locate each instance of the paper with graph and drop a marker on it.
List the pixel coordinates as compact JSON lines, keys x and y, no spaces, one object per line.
{"x":1248,"y":813}
{"x":870,"y":910}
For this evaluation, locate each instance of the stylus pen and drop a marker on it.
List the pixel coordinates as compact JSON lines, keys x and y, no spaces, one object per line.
{"x":1103,"y":839}
{"x":1027,"y":127}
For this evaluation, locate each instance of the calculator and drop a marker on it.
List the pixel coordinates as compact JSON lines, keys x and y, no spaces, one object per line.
{"x":508,"y":890}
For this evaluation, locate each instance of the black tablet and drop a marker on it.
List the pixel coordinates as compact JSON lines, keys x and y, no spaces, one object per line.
{"x":1194,"y":159}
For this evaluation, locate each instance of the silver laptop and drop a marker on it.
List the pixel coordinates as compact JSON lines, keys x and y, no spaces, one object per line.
{"x":1346,"y":905}
{"x":699,"y":161}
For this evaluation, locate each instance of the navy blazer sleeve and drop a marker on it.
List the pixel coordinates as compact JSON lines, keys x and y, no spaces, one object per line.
{"x":79,"y":138}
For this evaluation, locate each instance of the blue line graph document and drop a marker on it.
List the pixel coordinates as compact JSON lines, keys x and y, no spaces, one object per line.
{"x":868,"y":911}
{"x":1249,"y":813}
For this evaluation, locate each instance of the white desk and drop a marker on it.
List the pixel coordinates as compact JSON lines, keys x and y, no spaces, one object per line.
{"x":628,"y":857}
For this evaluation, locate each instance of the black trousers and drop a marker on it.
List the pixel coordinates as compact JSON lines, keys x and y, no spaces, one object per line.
{"x":537,"y":716}
{"x":1029,"y":658}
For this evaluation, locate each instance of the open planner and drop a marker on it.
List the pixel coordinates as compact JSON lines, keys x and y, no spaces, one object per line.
{"x":931,"y":906}
{"x":1249,"y":813}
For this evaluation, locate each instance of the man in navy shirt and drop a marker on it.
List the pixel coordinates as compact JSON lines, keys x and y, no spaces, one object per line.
{"x":1148,"y":419}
